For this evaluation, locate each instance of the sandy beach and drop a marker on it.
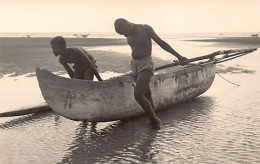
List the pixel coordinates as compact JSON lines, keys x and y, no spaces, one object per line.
{"x":220,"y":126}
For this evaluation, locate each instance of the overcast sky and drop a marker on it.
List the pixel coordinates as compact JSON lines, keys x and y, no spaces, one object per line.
{"x":165,"y":16}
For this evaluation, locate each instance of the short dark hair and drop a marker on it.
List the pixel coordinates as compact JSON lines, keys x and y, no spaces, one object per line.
{"x":119,"y":23}
{"x":59,"y":40}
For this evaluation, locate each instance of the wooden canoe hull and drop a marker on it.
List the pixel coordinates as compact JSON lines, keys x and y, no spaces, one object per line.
{"x":114,"y":99}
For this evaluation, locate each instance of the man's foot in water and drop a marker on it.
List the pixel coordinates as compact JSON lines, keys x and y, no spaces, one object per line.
{"x":155,"y":123}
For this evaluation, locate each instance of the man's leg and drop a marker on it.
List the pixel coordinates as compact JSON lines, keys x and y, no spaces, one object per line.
{"x":148,"y":95}
{"x":142,"y":85}
{"x":88,"y":74}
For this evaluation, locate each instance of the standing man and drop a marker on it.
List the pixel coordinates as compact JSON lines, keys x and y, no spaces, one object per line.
{"x":139,"y":37}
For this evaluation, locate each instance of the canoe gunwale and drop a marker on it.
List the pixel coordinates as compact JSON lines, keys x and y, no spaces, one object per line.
{"x":128,"y":77}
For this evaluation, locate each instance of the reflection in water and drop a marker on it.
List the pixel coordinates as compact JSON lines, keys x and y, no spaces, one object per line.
{"x":199,"y":131}
{"x":118,"y":142}
{"x":185,"y":130}
{"x":134,"y":141}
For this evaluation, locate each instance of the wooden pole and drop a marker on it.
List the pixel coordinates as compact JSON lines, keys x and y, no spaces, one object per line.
{"x":212,"y":55}
{"x":27,"y":110}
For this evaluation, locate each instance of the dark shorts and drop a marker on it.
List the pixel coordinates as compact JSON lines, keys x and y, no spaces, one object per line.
{"x":139,"y":65}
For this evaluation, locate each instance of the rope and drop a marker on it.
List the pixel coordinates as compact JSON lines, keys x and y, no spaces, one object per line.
{"x":226,"y":79}
{"x":230,"y":57}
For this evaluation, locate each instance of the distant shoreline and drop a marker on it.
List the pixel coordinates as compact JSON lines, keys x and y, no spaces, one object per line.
{"x":235,"y":41}
{"x":44,"y":41}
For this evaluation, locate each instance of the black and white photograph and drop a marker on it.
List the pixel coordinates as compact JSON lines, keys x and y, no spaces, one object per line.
{"x":127,"y":81}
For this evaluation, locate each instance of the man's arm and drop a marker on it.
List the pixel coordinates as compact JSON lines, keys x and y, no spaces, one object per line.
{"x":163,"y":44}
{"x":68,"y":69}
{"x":92,"y":66}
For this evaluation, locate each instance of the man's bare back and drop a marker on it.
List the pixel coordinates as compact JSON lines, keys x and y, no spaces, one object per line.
{"x":75,"y":56}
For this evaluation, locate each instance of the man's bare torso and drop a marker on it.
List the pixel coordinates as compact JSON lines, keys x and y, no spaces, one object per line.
{"x":140,"y":42}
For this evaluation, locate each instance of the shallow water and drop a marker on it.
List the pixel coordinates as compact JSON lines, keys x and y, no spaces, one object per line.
{"x":220,"y":126}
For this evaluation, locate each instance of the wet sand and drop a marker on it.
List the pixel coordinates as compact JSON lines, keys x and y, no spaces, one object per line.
{"x":22,"y":55}
{"x":220,"y":126}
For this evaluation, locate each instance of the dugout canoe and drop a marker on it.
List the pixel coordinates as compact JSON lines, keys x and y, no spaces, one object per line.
{"x":113,"y":99}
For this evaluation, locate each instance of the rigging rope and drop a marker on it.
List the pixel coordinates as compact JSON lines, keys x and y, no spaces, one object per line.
{"x":230,"y":57}
{"x":226,"y":79}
